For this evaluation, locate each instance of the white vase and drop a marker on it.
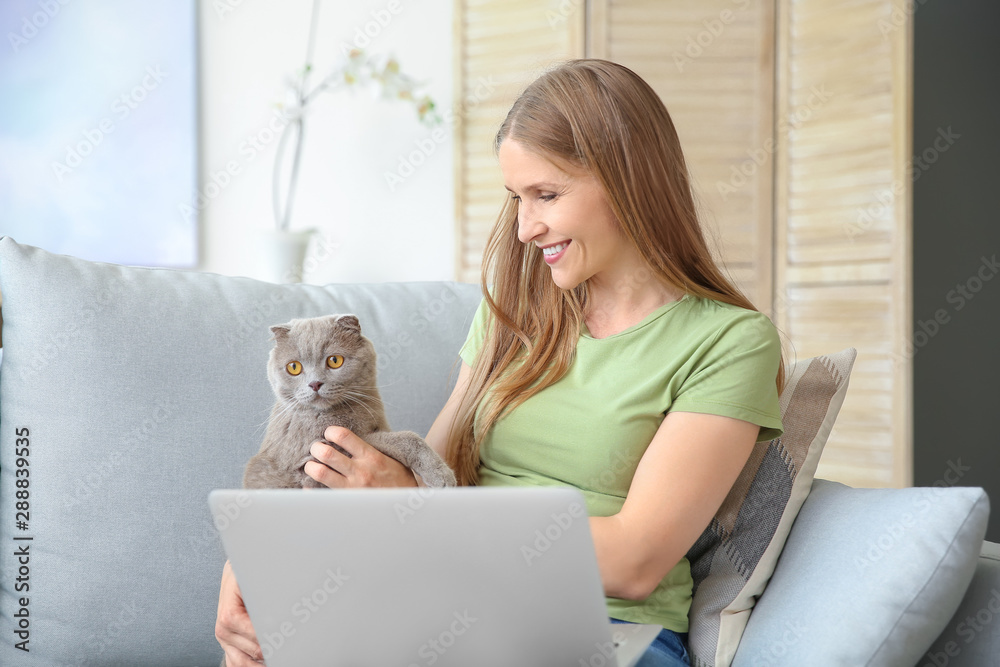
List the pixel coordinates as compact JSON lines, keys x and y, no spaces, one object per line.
{"x":281,"y":254}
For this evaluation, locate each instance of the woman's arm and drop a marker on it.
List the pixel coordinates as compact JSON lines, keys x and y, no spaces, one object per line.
{"x":679,"y":485}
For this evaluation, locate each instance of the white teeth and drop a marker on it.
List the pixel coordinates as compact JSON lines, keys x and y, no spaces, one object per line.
{"x":555,"y":249}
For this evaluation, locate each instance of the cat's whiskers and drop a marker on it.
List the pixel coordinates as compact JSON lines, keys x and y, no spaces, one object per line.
{"x":361,"y":399}
{"x":283,"y":408}
{"x":262,"y":426}
{"x":358,"y":397}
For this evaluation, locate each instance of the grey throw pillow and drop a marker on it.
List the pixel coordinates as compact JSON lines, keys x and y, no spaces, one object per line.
{"x":126,"y":395}
{"x":734,"y":558}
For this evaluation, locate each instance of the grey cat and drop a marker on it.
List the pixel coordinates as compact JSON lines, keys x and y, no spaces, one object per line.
{"x":322,"y":371}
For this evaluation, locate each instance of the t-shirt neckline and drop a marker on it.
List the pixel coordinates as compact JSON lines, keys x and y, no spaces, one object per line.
{"x":649,"y":319}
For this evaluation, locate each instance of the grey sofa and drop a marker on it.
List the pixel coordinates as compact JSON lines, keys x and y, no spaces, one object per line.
{"x":126,"y":395}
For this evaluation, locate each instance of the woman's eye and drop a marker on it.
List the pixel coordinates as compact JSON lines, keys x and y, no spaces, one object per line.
{"x":515,"y":197}
{"x":335,"y":361}
{"x":546,"y":197}
{"x":293,"y":367}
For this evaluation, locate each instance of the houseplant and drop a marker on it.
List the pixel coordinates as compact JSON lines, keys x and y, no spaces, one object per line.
{"x":283,"y":249}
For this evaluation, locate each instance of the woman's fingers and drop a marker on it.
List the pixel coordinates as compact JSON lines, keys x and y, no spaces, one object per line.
{"x":346,"y":460}
{"x":344,"y":453}
{"x":322,"y":473}
{"x":236,"y":633}
{"x":233,"y":628}
{"x":351,"y":444}
{"x":338,"y":470}
{"x":236,"y":658}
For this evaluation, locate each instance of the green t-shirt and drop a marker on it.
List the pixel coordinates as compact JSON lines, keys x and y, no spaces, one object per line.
{"x":590,"y":429}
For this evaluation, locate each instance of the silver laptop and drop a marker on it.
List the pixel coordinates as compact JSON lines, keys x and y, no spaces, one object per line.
{"x":461,"y":577}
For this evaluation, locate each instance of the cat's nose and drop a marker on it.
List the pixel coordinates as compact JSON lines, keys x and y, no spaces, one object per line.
{"x":315,"y":385}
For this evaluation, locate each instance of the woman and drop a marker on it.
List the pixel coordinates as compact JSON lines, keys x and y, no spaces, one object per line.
{"x":610,"y":352}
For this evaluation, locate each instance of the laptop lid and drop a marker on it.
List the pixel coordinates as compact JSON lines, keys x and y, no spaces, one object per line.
{"x":490,"y":577}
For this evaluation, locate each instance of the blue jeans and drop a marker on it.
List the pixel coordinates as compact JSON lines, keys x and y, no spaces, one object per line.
{"x":667,"y":650}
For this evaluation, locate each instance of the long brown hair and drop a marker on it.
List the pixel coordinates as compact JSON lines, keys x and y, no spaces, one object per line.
{"x":600,"y":117}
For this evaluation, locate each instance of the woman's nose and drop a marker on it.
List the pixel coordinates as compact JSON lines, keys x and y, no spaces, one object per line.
{"x":528,"y":225}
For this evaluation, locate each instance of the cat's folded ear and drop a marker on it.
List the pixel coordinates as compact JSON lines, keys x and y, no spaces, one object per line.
{"x":350,"y":323}
{"x":280,"y":331}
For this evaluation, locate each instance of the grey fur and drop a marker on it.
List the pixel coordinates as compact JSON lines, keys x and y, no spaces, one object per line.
{"x":348,"y":397}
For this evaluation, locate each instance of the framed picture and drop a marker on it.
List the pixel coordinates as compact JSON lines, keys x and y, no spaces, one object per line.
{"x":98,"y":128}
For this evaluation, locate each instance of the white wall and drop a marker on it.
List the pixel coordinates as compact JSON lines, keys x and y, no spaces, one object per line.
{"x":249,"y":49}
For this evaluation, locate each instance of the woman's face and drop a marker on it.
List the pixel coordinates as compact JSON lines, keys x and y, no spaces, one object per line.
{"x":566,"y":215}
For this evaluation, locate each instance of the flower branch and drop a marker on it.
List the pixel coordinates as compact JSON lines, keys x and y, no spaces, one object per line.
{"x":358,"y":70}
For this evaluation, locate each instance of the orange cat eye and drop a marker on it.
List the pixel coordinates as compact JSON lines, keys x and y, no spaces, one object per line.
{"x":293,"y":367}
{"x":335,"y":361}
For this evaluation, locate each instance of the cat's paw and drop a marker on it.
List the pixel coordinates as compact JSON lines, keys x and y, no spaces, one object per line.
{"x":438,"y":476}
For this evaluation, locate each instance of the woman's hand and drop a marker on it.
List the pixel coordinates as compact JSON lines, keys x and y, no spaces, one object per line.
{"x":362,"y":466}
{"x":232,"y":625}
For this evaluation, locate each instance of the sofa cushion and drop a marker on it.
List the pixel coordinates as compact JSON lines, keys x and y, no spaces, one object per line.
{"x":126,"y":395}
{"x":734,"y":558}
{"x":867,"y":577}
{"x":972,"y":637}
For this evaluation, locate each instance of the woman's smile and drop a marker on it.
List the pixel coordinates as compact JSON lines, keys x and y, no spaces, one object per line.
{"x":553,"y":253}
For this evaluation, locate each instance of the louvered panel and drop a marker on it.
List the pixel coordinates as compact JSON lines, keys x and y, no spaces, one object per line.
{"x":868,"y":410}
{"x":860,"y":440}
{"x":863,"y":466}
{"x":823,"y":202}
{"x":844,"y":246}
{"x":841,"y":220}
{"x":820,"y":274}
{"x":879,"y":248}
{"x":725,"y":80}
{"x":712,"y":64}
{"x":502,"y":45}
{"x":831,"y":237}
{"x":866,"y":383}
{"x":814,"y":218}
{"x":819,"y":11}
{"x":840,"y":181}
